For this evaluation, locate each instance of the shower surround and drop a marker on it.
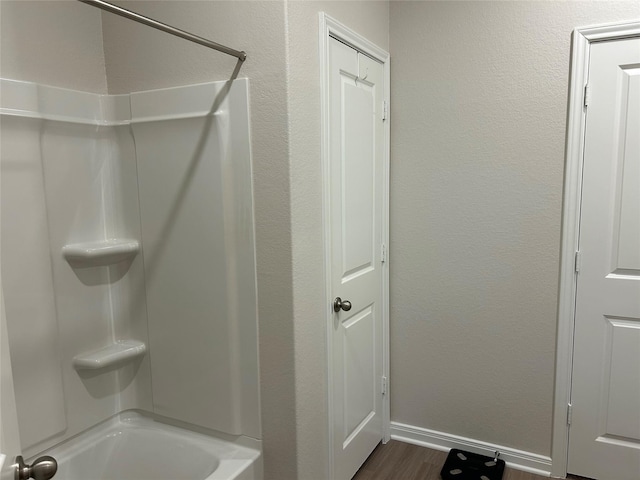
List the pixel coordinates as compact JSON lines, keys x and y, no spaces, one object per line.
{"x":128,"y":259}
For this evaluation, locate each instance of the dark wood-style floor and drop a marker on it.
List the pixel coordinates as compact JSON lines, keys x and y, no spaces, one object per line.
{"x":403,"y":461}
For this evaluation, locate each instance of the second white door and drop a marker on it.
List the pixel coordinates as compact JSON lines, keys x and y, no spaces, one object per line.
{"x":605,"y":428}
{"x":356,"y":160}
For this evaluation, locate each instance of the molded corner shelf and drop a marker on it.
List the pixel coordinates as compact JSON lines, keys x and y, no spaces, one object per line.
{"x":106,"y":252}
{"x":110,"y":355}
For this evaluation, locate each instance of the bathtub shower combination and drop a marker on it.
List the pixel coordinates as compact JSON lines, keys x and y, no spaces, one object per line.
{"x":128,"y":272}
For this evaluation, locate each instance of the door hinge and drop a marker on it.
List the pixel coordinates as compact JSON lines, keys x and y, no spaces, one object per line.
{"x":569,"y":413}
{"x":577,"y":261}
{"x":384,"y":110}
{"x":587,"y":95}
{"x":384,"y":385}
{"x":383,"y":253}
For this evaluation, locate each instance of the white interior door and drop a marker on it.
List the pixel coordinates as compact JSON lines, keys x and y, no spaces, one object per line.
{"x":356,"y":208}
{"x":604,"y":440}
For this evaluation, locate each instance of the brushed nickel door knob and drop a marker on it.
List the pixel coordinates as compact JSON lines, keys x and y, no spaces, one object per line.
{"x":42,"y":468}
{"x":339,"y":304}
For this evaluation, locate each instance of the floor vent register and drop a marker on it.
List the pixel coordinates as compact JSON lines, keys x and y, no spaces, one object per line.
{"x":461,"y":465}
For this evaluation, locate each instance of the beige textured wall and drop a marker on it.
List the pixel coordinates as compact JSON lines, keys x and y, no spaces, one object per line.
{"x":52,"y":42}
{"x":140,"y":58}
{"x":370,"y":19}
{"x":478,"y":103}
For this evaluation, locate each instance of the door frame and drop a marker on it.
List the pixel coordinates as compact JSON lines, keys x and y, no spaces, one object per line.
{"x":329,"y":27}
{"x":582,"y":39}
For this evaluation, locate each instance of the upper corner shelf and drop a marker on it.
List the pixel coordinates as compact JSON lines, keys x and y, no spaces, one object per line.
{"x":105,"y":252}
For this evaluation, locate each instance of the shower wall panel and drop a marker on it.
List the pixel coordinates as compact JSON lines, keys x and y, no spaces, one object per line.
{"x":170,"y":169}
{"x":68,"y":177}
{"x":28,"y":283}
{"x":194,"y":172}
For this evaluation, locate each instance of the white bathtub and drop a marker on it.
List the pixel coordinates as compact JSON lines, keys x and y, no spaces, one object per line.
{"x":136,"y":447}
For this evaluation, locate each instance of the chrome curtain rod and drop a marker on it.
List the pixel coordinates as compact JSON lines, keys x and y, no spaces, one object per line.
{"x":123,"y":12}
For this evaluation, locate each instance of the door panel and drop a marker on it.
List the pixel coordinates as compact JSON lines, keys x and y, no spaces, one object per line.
{"x":605,"y":430}
{"x":621,"y":380}
{"x":357,"y":187}
{"x":359,"y":378}
{"x":356,"y":199}
{"x":627,"y":229}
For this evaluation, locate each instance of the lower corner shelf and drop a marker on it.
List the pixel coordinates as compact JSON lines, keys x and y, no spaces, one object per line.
{"x":117,"y":352}
{"x":104,"y":252}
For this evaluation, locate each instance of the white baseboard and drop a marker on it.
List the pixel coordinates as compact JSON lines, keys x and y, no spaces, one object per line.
{"x":518,"y":459}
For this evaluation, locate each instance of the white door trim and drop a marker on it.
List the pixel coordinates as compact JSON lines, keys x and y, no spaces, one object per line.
{"x":574,"y":153}
{"x":330,"y":27}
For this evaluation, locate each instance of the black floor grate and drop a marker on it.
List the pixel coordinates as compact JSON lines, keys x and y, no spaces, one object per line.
{"x":461,"y":465}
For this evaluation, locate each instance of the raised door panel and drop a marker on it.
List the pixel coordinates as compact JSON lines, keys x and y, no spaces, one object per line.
{"x":358,"y":189}
{"x":621,"y":381}
{"x":626,"y":254}
{"x":359,"y":375}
